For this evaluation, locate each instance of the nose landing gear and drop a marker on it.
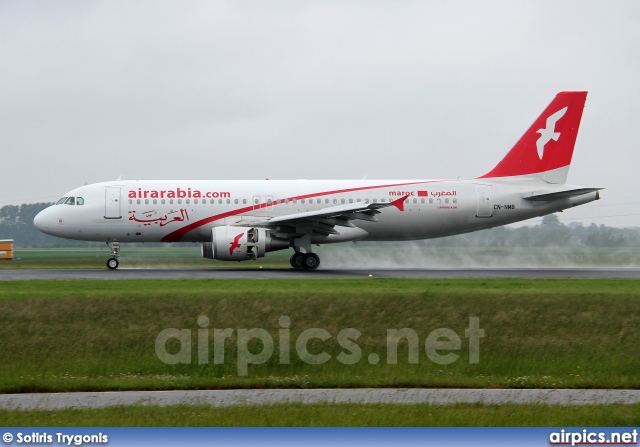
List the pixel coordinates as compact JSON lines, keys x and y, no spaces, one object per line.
{"x":114,"y":247}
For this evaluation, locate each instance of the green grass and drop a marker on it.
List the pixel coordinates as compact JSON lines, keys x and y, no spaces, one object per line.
{"x":132,"y":257}
{"x":100,"y":335}
{"x":337,"y":415}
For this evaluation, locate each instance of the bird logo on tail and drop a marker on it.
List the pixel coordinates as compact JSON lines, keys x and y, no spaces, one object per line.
{"x":549,"y":132}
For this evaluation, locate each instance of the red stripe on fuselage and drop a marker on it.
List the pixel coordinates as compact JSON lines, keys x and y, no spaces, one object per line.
{"x":177,"y":235}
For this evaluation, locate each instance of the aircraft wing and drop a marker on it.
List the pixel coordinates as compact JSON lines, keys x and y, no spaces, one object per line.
{"x":548,"y":197}
{"x":323,"y":220}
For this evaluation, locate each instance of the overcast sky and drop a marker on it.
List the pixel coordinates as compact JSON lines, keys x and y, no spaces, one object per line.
{"x":311,"y":89}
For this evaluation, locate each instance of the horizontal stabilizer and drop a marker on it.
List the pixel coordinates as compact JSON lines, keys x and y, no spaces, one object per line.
{"x":547,"y":197}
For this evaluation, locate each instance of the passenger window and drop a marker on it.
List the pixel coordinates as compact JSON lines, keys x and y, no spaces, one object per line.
{"x":244,"y":201}
{"x":138,"y":201}
{"x":162,"y":201}
{"x":415,"y":200}
{"x":319,"y":201}
{"x":195,"y":201}
{"x":235,"y":201}
{"x":446,"y":200}
{"x":61,"y":201}
{"x":155,"y":201}
{"x":335,"y":200}
{"x":422,"y":200}
{"x":326,"y":201}
{"x":170,"y":201}
{"x":431,"y":200}
{"x":455,"y":200}
{"x":350,"y":200}
{"x":228,"y":201}
{"x":219,"y":201}
{"x":375,"y":200}
{"x":342,"y":201}
{"x":187,"y":201}
{"x":70,"y":201}
{"x":382,"y":200}
{"x":130,"y":201}
{"x":179,"y":201}
{"x":79,"y":201}
{"x":302,"y":201}
{"x":146,"y":201}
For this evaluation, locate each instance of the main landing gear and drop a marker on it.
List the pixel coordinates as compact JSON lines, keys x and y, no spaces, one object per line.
{"x":113,"y":263}
{"x":306,"y":261}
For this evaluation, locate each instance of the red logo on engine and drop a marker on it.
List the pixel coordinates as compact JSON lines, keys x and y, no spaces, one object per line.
{"x":235,"y":243}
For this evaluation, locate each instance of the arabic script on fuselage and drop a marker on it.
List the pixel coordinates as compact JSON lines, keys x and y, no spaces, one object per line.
{"x":148,"y":218}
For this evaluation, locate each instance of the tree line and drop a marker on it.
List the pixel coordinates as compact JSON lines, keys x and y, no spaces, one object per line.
{"x":551,"y":232}
{"x":16,"y":222}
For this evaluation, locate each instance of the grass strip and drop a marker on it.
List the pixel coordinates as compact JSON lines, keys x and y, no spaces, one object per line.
{"x":333,"y":415}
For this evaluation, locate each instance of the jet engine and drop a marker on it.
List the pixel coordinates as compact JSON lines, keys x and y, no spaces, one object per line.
{"x":230,"y":243}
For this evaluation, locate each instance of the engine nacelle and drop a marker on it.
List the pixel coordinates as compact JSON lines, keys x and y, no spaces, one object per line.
{"x":229,"y":243}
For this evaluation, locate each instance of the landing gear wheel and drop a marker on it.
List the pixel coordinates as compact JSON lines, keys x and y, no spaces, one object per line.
{"x":113,"y":264}
{"x":296,"y":260}
{"x":310,"y":261}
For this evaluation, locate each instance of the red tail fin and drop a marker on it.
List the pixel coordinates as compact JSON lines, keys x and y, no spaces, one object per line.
{"x":545,"y":150}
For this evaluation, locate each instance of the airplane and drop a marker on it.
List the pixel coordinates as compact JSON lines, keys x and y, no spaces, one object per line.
{"x":237,"y":220}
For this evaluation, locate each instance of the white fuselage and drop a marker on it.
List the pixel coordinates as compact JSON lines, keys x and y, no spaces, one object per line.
{"x":172,"y":210}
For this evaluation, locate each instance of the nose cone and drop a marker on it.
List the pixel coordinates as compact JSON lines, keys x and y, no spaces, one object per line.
{"x":41,"y":221}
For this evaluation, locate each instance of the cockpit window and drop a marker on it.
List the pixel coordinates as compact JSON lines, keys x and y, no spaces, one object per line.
{"x":70,"y":201}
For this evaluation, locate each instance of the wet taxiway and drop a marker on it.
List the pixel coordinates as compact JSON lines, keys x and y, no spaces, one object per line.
{"x":287,"y":273}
